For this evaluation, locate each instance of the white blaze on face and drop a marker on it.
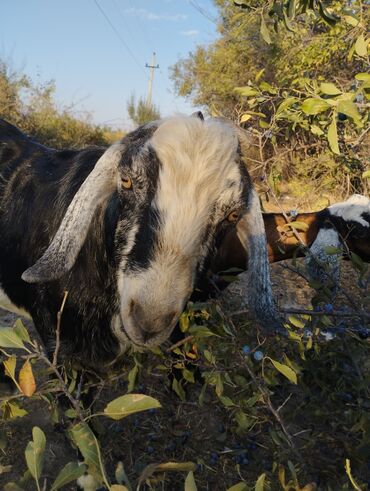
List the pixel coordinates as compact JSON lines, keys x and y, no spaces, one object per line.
{"x":352,"y":209}
{"x":199,"y":180}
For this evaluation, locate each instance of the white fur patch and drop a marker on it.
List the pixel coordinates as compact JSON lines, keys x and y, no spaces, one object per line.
{"x":352,"y":209}
{"x":199,"y":183}
{"x":6,"y":304}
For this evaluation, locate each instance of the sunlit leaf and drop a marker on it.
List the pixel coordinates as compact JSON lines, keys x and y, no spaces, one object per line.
{"x":351,"y":20}
{"x":268,"y":88}
{"x":11,"y":410}
{"x":288,"y":372}
{"x":85,"y":440}
{"x":240,"y":486}
{"x":366,"y":174}
{"x":9,"y":365}
{"x":130,"y":404}
{"x":118,"y":487}
{"x":316,"y":130}
{"x":70,"y":472}
{"x":190,"y":482}
{"x":27,"y":380}
{"x":329,"y":89}
{"x":10,"y":339}
{"x":265,"y":33}
{"x":363,"y":77}
{"x":21,"y":331}
{"x":246,"y":91}
{"x":245,"y":117}
{"x":297,"y":225}
{"x":333,"y":136}
{"x":349,"y":108}
{"x":361,"y":46}
{"x":260,"y":484}
{"x":35,"y":453}
{"x":313,"y":105}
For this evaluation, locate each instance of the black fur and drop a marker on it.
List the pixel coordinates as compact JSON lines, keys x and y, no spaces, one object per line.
{"x":36,"y":186}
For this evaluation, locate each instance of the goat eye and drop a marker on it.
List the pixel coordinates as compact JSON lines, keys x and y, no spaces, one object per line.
{"x":233,"y":216}
{"x":126,"y":182}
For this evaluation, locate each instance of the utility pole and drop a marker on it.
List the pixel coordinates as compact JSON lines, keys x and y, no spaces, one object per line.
{"x":152,"y":67}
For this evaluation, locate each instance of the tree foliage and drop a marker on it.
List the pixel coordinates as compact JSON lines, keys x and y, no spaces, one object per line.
{"x":32,"y":107}
{"x":141,"y":112}
{"x":295,"y":74}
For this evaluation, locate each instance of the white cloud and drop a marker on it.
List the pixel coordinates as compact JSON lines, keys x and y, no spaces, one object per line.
{"x":146,"y":14}
{"x":190,"y":33}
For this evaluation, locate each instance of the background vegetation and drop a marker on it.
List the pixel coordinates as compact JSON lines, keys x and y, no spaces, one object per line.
{"x":32,"y":108}
{"x":296,"y":75}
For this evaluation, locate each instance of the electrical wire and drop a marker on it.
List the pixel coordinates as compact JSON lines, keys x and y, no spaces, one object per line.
{"x":123,"y":42}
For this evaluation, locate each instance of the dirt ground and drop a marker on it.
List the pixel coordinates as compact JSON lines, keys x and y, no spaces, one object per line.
{"x":207,"y":435}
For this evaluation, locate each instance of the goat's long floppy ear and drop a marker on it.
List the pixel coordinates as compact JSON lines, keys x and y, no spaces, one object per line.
{"x":251,"y":233}
{"x":61,"y":254}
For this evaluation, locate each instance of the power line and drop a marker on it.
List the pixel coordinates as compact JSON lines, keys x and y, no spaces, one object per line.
{"x":123,"y":42}
{"x":203,"y":12}
{"x":126,"y":26}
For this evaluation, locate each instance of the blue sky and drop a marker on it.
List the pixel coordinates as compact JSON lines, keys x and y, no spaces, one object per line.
{"x":95,"y":68}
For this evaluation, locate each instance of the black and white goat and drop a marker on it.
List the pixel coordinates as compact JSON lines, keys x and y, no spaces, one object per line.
{"x":126,"y":230}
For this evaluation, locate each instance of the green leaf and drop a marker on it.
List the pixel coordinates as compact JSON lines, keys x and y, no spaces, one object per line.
{"x":316,"y":130}
{"x":361,"y":46}
{"x":240,"y":486}
{"x":363,"y":77}
{"x":85,"y":440}
{"x":132,"y":378}
{"x":11,"y":410}
{"x":226,"y":401}
{"x":333,"y":136}
{"x":260,"y":484}
{"x":265,"y":33}
{"x":331,"y":250}
{"x":246,"y":91}
{"x":366,"y":174}
{"x":313,"y":105}
{"x":329,"y":89}
{"x":296,"y":321}
{"x":21,"y":331}
{"x":35,"y":453}
{"x":190,"y":482}
{"x":245,"y":117}
{"x":188,"y":375}
{"x":349,"y":108}
{"x":10,"y":339}
{"x":268,"y":88}
{"x":259,"y":74}
{"x":297,"y":225}
{"x":9,"y":365}
{"x":288,"y":372}
{"x":130,"y":404}
{"x":177,"y":387}
{"x":70,"y":472}
{"x":351,"y":20}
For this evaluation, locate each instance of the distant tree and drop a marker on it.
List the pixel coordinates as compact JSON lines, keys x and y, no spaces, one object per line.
{"x":141,"y":112}
{"x":32,"y":107}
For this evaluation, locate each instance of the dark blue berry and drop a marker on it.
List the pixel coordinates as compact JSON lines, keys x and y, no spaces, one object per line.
{"x":246,"y":349}
{"x":149,"y":449}
{"x":328,"y":308}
